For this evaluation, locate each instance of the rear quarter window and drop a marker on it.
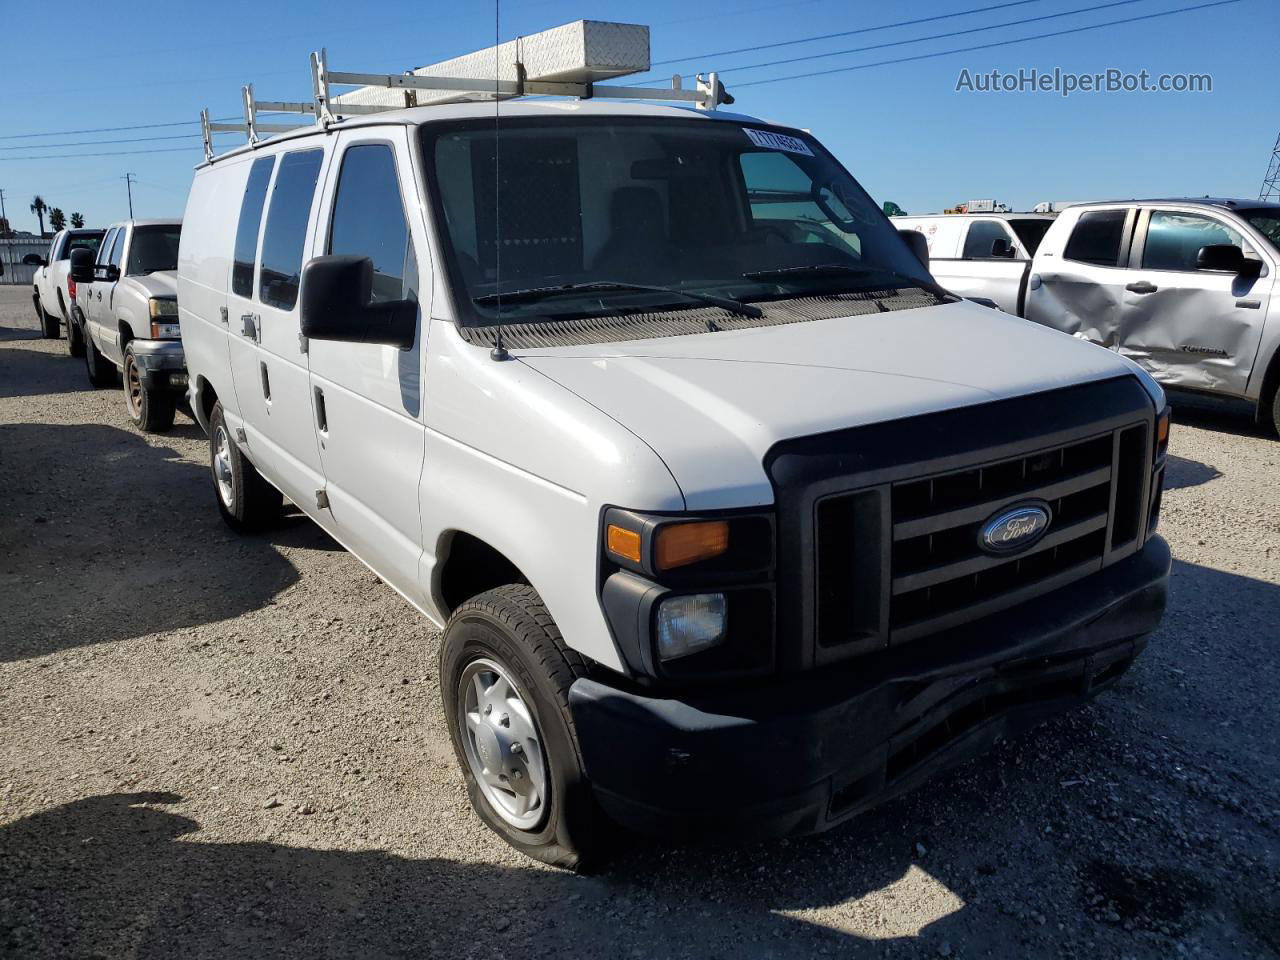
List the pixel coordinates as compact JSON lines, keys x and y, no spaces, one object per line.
{"x":251,"y":204}
{"x":1096,"y":238}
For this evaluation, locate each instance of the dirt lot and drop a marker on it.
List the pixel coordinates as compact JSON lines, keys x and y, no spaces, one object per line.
{"x":232,"y":747}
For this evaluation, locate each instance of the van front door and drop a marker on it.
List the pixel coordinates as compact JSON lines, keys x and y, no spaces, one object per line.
{"x":1189,"y":327}
{"x":268,"y":365}
{"x":372,"y":439}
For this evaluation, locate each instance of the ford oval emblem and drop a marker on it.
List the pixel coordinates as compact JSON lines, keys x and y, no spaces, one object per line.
{"x":1014,"y":529}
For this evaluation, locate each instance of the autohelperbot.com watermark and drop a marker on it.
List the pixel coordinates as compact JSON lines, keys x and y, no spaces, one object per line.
{"x":1065,"y":82}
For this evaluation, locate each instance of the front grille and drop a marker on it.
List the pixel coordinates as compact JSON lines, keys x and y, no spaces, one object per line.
{"x":888,"y":550}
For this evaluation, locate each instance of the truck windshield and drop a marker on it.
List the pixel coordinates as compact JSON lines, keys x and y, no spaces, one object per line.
{"x":1267,"y":222}
{"x":1031,"y":232}
{"x":153,"y":248}
{"x":595,"y":207}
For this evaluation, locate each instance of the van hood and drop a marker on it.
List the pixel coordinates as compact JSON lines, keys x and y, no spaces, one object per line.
{"x":161,"y":283}
{"x":711,"y":405}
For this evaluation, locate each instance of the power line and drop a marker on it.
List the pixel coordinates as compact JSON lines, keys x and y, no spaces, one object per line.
{"x":98,"y":143}
{"x":937,"y":36}
{"x":988,"y":46}
{"x":849,"y":33}
{"x":115,"y":153}
{"x":73,"y":133}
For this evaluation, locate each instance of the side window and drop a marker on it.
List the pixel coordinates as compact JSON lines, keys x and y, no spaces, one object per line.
{"x":982,"y":234}
{"x":255,"y":196}
{"x":104,"y":251}
{"x":117,"y":248}
{"x":368,"y":219}
{"x":1096,"y":238}
{"x":1174,"y":239}
{"x":286,"y":233}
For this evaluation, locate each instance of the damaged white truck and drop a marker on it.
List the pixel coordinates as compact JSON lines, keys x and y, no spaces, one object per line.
{"x":732,"y":518}
{"x":1182,"y":287}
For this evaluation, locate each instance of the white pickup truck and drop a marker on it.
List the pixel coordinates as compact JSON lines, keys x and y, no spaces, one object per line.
{"x":53,"y":291}
{"x":732,"y":518}
{"x":126,"y":304}
{"x":1182,"y":287}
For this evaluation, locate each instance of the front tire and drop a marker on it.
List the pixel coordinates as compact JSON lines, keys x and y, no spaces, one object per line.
{"x":505,"y":675}
{"x":1275,"y":411}
{"x":102,"y":372}
{"x":150,"y":410}
{"x":245,"y":500}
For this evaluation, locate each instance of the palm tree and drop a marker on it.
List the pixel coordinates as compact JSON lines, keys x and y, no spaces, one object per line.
{"x":77,"y":220}
{"x":57,"y":219}
{"x":38,"y":207}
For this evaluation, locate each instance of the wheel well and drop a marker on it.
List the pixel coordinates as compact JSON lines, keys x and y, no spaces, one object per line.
{"x":471,"y":567}
{"x":1270,"y":384}
{"x":208,"y":397}
{"x":126,"y":334}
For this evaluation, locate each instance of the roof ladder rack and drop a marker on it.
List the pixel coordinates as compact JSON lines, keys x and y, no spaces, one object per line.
{"x":565,"y":61}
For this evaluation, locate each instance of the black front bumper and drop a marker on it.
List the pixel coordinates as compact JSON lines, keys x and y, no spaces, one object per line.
{"x":804,"y":752}
{"x":162,"y":364}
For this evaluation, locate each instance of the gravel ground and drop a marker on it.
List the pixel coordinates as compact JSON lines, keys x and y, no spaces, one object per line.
{"x":222,"y":746}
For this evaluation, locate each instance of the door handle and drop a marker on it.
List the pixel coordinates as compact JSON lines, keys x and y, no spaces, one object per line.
{"x":222,"y":315}
{"x":250,"y":327}
{"x":322,"y":418}
{"x":1249,"y":304}
{"x":1142,"y":286}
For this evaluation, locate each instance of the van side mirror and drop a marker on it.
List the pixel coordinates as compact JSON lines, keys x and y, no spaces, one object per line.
{"x":335,"y":298}
{"x":82,"y":265}
{"x":34,"y":260}
{"x":1002,"y":249}
{"x":918,"y":244}
{"x":1224,"y":257}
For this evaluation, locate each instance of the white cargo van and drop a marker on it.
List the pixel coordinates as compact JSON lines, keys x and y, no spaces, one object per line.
{"x":732,"y":518}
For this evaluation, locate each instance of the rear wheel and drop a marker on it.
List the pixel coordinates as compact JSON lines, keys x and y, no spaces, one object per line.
{"x":49,"y":326}
{"x":150,"y":410}
{"x":1275,"y":411}
{"x":505,"y":675}
{"x":245,"y":500}
{"x":102,"y":372}
{"x":75,"y":334}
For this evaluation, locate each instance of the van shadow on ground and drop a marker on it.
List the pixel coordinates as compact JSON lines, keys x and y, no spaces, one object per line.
{"x":107,"y":537}
{"x":1181,"y":472}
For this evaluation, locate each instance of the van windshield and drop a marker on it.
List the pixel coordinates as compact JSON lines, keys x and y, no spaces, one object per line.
{"x":696,"y":206}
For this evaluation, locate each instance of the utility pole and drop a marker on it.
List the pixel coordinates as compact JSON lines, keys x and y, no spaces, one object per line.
{"x":128,"y":180}
{"x":4,"y":218}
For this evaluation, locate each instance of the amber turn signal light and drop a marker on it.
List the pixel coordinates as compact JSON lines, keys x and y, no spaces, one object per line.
{"x":679,"y":544}
{"x":623,"y":543}
{"x":1162,"y":429}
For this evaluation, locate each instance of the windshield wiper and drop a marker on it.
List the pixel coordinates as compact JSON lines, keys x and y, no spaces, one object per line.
{"x":848,"y":269}
{"x":534,"y":294}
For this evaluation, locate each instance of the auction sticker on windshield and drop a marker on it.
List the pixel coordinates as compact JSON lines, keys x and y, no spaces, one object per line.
{"x":777,"y":141}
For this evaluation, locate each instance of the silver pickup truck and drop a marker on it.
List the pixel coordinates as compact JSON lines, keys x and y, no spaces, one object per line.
{"x":127,"y":307}
{"x":1183,"y":287}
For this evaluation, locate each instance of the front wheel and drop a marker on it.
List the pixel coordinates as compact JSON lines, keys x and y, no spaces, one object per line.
{"x":1275,"y":411}
{"x":505,"y":675}
{"x":150,"y":410}
{"x":245,"y":500}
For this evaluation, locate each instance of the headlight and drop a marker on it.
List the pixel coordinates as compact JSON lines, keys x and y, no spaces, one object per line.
{"x":691,"y":623}
{"x":163,"y":307}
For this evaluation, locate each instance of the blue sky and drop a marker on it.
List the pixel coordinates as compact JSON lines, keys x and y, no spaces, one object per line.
{"x":902,"y":129}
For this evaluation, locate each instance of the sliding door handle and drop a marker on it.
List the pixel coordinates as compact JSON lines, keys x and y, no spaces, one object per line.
{"x":322,"y":419}
{"x":1142,"y":286}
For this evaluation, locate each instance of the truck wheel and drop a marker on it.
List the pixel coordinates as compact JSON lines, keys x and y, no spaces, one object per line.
{"x":245,"y":500}
{"x":150,"y":410}
{"x":505,"y":675}
{"x":1275,"y":411}
{"x":49,"y":325}
{"x":75,"y":334}
{"x":102,"y":372}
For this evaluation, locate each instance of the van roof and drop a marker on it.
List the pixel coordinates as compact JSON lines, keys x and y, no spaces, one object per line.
{"x":484,"y":110}
{"x":1227,"y":203}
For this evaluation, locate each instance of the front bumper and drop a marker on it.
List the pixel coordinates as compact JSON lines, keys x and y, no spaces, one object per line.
{"x":162,"y":365}
{"x":803,"y":753}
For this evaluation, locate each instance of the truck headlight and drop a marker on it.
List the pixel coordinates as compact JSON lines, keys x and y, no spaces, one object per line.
{"x":688,"y":624}
{"x":162,"y":307}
